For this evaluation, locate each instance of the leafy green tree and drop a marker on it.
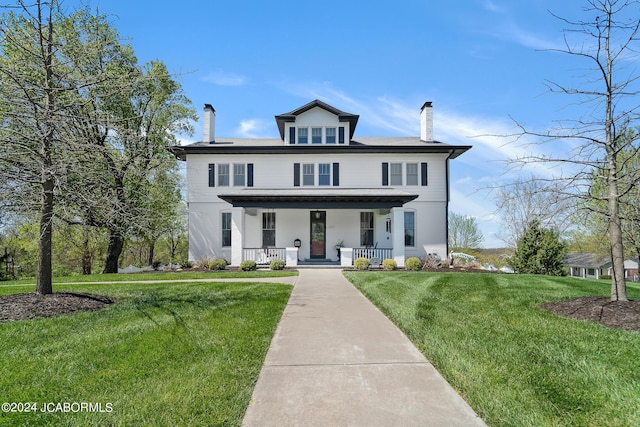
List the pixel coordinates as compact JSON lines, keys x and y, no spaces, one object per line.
{"x":130,"y":178}
{"x":464,"y":233}
{"x":539,"y":251}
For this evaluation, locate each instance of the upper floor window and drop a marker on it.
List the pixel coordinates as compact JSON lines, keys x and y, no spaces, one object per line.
{"x":331,"y":135}
{"x":316,"y":135}
{"x":242,"y":174}
{"x":396,"y":173}
{"x":223,"y":175}
{"x":308,"y":174}
{"x":324,"y":174}
{"x":238,"y":175}
{"x":412,"y":174}
{"x":305,"y":174}
{"x":303,"y":135}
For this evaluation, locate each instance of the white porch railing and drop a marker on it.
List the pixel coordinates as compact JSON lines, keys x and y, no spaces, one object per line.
{"x":374,"y":254}
{"x":263,"y":256}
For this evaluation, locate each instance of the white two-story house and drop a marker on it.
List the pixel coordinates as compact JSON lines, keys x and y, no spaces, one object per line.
{"x":319,"y":193}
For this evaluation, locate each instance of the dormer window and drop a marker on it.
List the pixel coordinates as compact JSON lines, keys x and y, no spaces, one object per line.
{"x":331,"y":135}
{"x":303,"y":136}
{"x":316,"y":135}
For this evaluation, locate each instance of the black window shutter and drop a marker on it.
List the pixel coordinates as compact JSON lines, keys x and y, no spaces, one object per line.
{"x":296,"y":174}
{"x":292,"y":135}
{"x":341,"y":135}
{"x":212,"y":175}
{"x":385,"y":173}
{"x":249,"y":174}
{"x":423,"y":173}
{"x":336,"y":174}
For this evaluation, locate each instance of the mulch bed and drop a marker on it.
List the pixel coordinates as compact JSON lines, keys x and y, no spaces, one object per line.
{"x":33,"y":305}
{"x":613,"y":314}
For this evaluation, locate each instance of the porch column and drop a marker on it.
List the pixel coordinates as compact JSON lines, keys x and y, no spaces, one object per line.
{"x":237,"y":239}
{"x":397,"y":219}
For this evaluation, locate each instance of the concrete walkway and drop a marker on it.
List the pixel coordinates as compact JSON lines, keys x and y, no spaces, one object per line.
{"x":336,"y":360}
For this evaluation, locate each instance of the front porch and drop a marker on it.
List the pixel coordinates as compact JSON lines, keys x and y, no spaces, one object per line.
{"x":264,"y":256}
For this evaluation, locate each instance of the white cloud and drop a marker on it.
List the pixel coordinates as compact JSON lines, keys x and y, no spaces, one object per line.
{"x":252,"y":128}
{"x":222,"y":78}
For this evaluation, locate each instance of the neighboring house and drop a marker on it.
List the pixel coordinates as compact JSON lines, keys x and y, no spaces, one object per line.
{"x":586,"y":265}
{"x":318,"y":193}
{"x":593,"y":266}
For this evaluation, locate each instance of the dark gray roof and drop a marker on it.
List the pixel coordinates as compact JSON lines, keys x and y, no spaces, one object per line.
{"x":224,"y":145}
{"x":581,"y":259}
{"x":281,"y":119}
{"x":320,"y":198}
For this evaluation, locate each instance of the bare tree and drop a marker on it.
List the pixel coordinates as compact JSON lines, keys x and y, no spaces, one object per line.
{"x":529,"y":199}
{"x":606,"y":103}
{"x":33,"y":98}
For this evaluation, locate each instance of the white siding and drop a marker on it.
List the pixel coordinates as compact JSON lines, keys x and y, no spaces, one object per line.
{"x":276,"y":172}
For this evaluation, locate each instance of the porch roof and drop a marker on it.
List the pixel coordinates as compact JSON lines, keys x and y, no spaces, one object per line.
{"x":316,"y":198}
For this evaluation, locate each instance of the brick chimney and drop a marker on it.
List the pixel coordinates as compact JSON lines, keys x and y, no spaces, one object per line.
{"x":426,"y":122}
{"x":209,"y":128}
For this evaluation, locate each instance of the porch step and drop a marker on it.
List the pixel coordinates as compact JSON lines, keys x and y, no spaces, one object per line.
{"x":318,"y":262}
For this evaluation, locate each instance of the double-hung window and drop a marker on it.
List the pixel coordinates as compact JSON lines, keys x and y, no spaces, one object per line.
{"x":223,"y":175}
{"x":316,"y":135}
{"x":268,"y":229}
{"x":308,"y":174}
{"x":324,"y":174}
{"x":303,"y":135}
{"x":396,"y":173}
{"x":412,"y":173}
{"x":226,"y":229}
{"x":331,"y":135}
{"x":366,"y":229}
{"x":238,"y":175}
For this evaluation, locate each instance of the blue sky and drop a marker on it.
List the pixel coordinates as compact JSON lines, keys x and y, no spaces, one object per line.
{"x":479,"y":61}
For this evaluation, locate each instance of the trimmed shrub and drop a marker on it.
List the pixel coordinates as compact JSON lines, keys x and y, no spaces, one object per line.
{"x":413,"y":264}
{"x":218,"y":264}
{"x":361,"y":264}
{"x":389,"y":264}
{"x":248,"y":265}
{"x":277,"y":264}
{"x":605,"y":276}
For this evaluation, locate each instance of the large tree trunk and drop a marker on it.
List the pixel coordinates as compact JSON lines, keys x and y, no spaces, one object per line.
{"x":87,"y":256}
{"x":152,"y":247}
{"x":44,"y":283}
{"x":618,"y":283}
{"x":116,"y":243}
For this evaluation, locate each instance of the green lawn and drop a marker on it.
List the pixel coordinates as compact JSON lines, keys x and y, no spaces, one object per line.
{"x":164,"y":355}
{"x":187,"y":275}
{"x":516,"y":364}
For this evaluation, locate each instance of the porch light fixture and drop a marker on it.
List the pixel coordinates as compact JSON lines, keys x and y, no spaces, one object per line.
{"x":317,"y":214}
{"x":297,"y":243}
